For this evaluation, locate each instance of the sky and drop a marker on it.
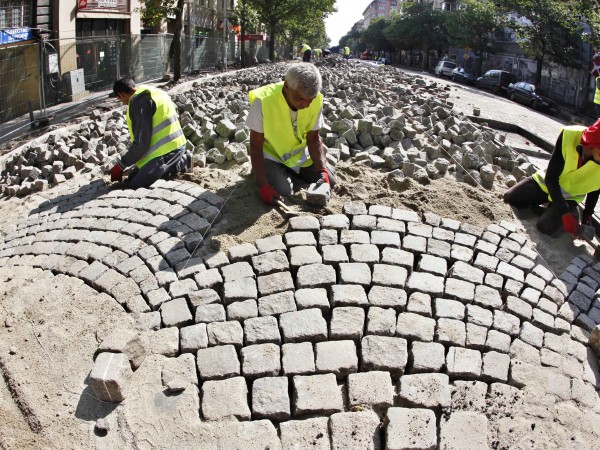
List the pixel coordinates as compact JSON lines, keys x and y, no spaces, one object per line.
{"x":339,"y":23}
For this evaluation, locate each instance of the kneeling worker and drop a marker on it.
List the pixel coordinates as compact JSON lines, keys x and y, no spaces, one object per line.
{"x":158,"y":143}
{"x":573,"y":174}
{"x":285,"y":146}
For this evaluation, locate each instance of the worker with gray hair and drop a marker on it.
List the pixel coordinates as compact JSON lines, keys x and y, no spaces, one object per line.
{"x":285,"y":147}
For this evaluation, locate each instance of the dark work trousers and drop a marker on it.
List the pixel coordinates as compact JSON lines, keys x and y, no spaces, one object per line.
{"x":285,"y":181}
{"x":165,"y":167}
{"x":306,"y":57}
{"x":528,"y":192}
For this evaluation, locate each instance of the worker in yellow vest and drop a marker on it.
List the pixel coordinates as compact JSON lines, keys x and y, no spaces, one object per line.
{"x":286,"y":151}
{"x":306,"y":51}
{"x":346,"y":52}
{"x":317,"y":53}
{"x":573,"y":174}
{"x":597,"y":98}
{"x":158,"y":143}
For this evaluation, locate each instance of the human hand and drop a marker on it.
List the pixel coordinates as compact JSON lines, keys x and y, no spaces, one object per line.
{"x":324,"y":176}
{"x":268,"y":195}
{"x":116,"y":173}
{"x":570,"y":224}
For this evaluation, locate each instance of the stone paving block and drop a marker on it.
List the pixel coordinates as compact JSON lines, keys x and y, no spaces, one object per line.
{"x":389,"y":275}
{"x":315,"y":275}
{"x":381,"y":321}
{"x":210,"y":278}
{"x":487,"y":263}
{"x":176,"y":313}
{"x":433,"y":264}
{"x":426,"y":357}
{"x":470,"y":395}
{"x":333,"y":254}
{"x":364,"y":222}
{"x":414,"y":243}
{"x":364,"y":253}
{"x":110,"y":375}
{"x":512,"y":287}
{"x":451,"y":332}
{"x":495,"y":366}
{"x":426,"y":283}
{"x":308,"y":433}
{"x":274,"y":283}
{"x":270,"y":398}
{"x":237,"y":271}
{"x":164,"y":342}
{"x":487,"y":297}
{"x":542,"y":320}
{"x":275,"y":304}
{"x":327,"y":237}
{"x":348,"y":295}
{"x":548,"y":306}
{"x":312,"y":298}
{"x":261,"y":360}
{"x":461,"y":253}
{"x":273,"y":261}
{"x":510,"y":271}
{"x":193,"y":338}
{"x":270,"y":244}
{"x":463,"y":363}
{"x":241,"y":252}
{"x":460,"y":290}
{"x":215,"y":363}
{"x":337,"y":357}
{"x":426,"y":390}
{"x":92,"y":272}
{"x":304,"y":223}
{"x":355,"y":273}
{"x":243,"y":310}
{"x":335,"y":221}
{"x":385,"y":238}
{"x":354,"y":208}
{"x":371,"y":389}
{"x":415,"y":326}
{"x":507,"y":323}
{"x":182,"y":288}
{"x":241,"y":289}
{"x":496,"y":340}
{"x":479,"y":316}
{"x":451,"y":309}
{"x":354,"y":237}
{"x":306,"y":325}
{"x":384,"y":353}
{"x":519,"y":308}
{"x":224,"y":399}
{"x":531,"y":296}
{"x":464,"y":430}
{"x":225,"y":333}
{"x":216,"y":260}
{"x":466,"y":272}
{"x":298,"y":359}
{"x":210,"y":313}
{"x":398,"y":257}
{"x":304,"y":255}
{"x":438,"y":248}
{"x":420,"y":303}
{"x":347,"y":323}
{"x":387,"y":297}
{"x":261,"y":330}
{"x":494,"y":280}
{"x":316,"y":394}
{"x":531,"y":335}
{"x":411,"y":428}
{"x":355,"y":431}
{"x":303,"y":238}
{"x":476,"y":336}
{"x":520,"y":351}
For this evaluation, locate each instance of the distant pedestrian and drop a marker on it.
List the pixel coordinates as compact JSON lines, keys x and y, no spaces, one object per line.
{"x":346,"y":52}
{"x":306,"y":52}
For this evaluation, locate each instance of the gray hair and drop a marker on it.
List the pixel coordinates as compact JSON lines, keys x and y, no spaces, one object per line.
{"x":305,"y":77}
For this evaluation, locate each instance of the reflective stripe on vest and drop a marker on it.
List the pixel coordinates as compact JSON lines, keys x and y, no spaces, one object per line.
{"x":574,"y":182}
{"x":281,"y":144}
{"x":597,"y":93}
{"x":167,"y":134}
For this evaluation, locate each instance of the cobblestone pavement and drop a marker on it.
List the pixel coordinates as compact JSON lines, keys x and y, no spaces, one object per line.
{"x":376,"y":328}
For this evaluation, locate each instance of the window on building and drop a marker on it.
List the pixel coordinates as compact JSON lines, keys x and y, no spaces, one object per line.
{"x":99,"y":27}
{"x":14,"y":13}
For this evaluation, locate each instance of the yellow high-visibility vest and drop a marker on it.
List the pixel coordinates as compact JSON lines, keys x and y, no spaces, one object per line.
{"x":304,"y":48}
{"x":346,"y":50}
{"x":597,"y":93}
{"x":574,"y":182}
{"x":167,"y":134}
{"x":282,"y":144}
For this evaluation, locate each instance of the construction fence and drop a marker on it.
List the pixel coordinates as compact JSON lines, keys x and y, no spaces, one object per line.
{"x":40,"y":74}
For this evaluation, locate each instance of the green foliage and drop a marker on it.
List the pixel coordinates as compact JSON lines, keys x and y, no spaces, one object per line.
{"x":153,"y":11}
{"x":375,"y":37}
{"x":419,"y":26}
{"x":472,"y":25}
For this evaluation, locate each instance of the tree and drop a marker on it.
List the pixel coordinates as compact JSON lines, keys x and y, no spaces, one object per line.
{"x":375,"y":37}
{"x":153,"y":11}
{"x":278,"y":15}
{"x":472,"y":25}
{"x":244,"y":16}
{"x":548,"y":30}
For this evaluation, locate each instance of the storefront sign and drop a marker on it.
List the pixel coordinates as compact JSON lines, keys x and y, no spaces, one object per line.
{"x":251,"y":37}
{"x":15,"y":35}
{"x":113,"y":5}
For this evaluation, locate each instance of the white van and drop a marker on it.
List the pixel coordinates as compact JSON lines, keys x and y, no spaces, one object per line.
{"x":444,"y":68}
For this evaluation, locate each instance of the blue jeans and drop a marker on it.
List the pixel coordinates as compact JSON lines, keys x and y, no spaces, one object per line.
{"x":285,"y":180}
{"x":165,"y":167}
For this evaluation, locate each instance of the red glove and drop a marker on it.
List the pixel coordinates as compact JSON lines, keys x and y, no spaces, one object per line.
{"x":570,"y":224}
{"x":116,"y":173}
{"x":268,"y":194}
{"x":325,"y":175}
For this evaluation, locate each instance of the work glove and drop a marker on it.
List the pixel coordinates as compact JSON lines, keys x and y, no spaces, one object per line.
{"x":570,"y":224}
{"x":268,"y":195}
{"x":324,"y":176}
{"x":116,"y":173}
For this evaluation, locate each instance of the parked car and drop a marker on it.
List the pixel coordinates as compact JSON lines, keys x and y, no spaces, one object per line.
{"x":444,"y":68}
{"x":460,"y":76}
{"x":496,"y":81}
{"x":530,"y":95}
